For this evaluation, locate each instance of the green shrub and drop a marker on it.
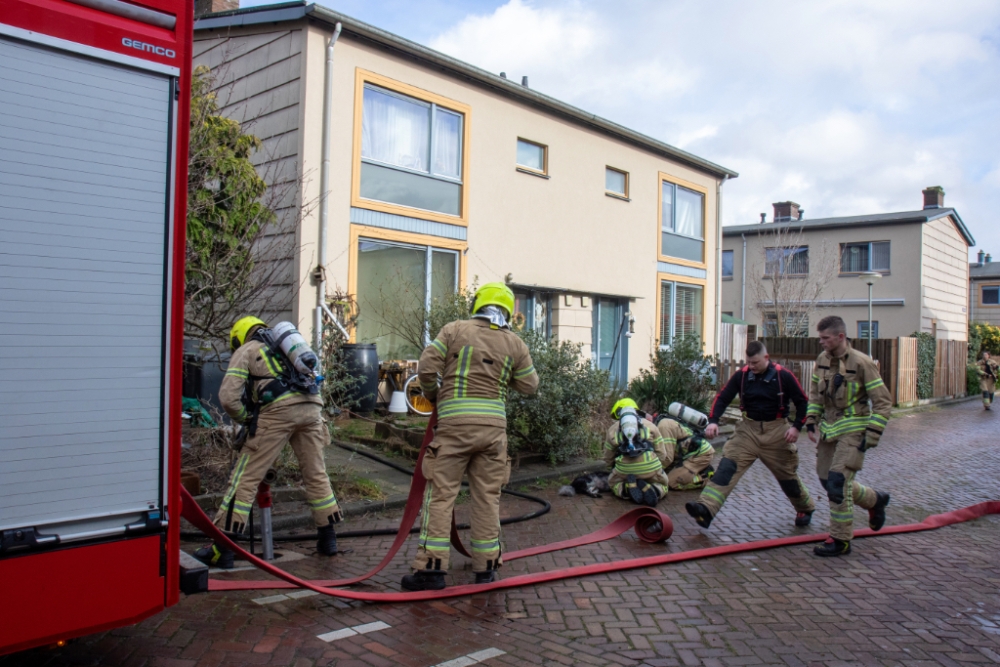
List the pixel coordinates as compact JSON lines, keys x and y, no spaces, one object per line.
{"x":983,"y":337}
{"x":926,"y":355}
{"x":971,"y":380}
{"x":556,"y":420}
{"x":680,"y":373}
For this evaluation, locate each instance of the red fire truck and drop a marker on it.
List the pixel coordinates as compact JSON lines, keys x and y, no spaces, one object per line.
{"x":94,"y":111}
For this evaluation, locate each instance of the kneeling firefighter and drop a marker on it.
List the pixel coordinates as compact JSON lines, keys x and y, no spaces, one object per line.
{"x":636,"y":454}
{"x":692,"y":464}
{"x":478,"y":360}
{"x":270,"y":388}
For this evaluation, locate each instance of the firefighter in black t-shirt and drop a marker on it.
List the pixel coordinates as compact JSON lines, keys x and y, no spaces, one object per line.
{"x":766,"y":390}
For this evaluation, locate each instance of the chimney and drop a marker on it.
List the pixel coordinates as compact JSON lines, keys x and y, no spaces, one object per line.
{"x":988,"y":258}
{"x":802,"y":213}
{"x":763,"y":218}
{"x":202,"y":7}
{"x":524,"y":81}
{"x":785,"y":211}
{"x":934,"y":197}
{"x":979,"y":257}
{"x":503,"y":75}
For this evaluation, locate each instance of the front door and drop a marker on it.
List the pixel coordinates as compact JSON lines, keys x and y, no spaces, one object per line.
{"x":610,"y":343}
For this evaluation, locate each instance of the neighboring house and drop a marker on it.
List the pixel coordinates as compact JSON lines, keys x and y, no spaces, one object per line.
{"x":443,"y":173}
{"x":984,"y":290}
{"x":922,"y":256}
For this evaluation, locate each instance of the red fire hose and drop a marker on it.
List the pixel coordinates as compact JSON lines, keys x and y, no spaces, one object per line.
{"x":649,"y":524}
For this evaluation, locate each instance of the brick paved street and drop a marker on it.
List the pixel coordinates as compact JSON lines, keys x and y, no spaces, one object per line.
{"x":918,"y":599}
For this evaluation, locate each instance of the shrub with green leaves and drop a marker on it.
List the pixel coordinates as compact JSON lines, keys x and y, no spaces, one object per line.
{"x":679,"y":373}
{"x":972,"y":380}
{"x":926,"y":356}
{"x":983,"y":337}
{"x":555,"y":421}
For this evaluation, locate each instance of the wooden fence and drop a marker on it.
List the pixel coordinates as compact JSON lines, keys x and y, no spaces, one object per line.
{"x":896,"y":359}
{"x":732,"y":341}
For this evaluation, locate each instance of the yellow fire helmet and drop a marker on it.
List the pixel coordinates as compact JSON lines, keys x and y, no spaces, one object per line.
{"x":496,"y":294}
{"x":623,"y":403}
{"x":238,"y":335}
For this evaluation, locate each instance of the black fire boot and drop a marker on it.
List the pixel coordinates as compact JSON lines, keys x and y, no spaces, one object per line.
{"x":326,"y":543}
{"x":487,"y":577}
{"x":699,"y":513}
{"x":876,"y":515}
{"x":425,"y":580}
{"x":650,"y":496}
{"x":633,"y":490}
{"x":803,"y":519}
{"x":216,"y":556}
{"x":833,"y":547}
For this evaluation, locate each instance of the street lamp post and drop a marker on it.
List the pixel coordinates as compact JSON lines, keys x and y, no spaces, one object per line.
{"x":870,"y":278}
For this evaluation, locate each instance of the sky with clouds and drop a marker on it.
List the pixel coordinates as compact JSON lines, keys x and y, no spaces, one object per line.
{"x":844,"y":106}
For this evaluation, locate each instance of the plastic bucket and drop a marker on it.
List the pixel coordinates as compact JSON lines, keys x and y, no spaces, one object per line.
{"x":361,"y":361}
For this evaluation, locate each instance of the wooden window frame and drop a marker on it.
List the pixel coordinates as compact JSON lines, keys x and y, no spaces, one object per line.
{"x":664,"y":177}
{"x":612,"y":193}
{"x":674,"y":278}
{"x":361,"y":77}
{"x":545,"y":159}
{"x":378,"y":234}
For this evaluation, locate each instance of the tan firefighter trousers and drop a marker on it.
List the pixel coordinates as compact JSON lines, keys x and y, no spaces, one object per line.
{"x":987,"y":385}
{"x":837,"y":462}
{"x":300,"y":425}
{"x":752,"y":441}
{"x":459,"y":449}
{"x":685,"y":477}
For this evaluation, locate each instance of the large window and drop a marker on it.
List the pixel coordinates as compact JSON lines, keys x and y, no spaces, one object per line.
{"x":861,"y":257}
{"x":786,"y":261}
{"x":532,"y":157}
{"x":991,"y":295}
{"x":681,"y":311}
{"x":682,"y":222}
{"x":411,"y":152}
{"x":397,"y":285}
{"x":531,"y":311}
{"x":727,"y":263}
{"x":795,"y":324}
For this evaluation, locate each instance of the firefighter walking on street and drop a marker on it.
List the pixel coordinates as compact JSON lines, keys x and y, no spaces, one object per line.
{"x":988,"y":372}
{"x":257,"y":392}
{"x":766,"y":390}
{"x":845,"y":381}
{"x":478,"y":360}
{"x":637,"y":456}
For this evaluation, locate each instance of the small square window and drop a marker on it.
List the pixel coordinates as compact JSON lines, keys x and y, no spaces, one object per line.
{"x":532,"y":156}
{"x":991,"y":295}
{"x":863,"y":329}
{"x":616,"y":182}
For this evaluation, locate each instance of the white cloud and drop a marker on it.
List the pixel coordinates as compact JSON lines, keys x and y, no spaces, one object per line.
{"x":845,"y":106}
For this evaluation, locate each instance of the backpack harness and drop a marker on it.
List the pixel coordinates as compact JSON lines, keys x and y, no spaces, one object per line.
{"x":782,"y":408}
{"x":283,"y":380}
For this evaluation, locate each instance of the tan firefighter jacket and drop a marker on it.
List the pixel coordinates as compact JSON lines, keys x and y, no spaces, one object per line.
{"x":994,"y":369}
{"x":477,"y":362}
{"x":253,"y":364}
{"x":649,"y":462}
{"x":843,"y":409}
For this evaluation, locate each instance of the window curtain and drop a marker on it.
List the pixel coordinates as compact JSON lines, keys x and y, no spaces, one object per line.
{"x":395,"y":131}
{"x":667,"y":211}
{"x":687,"y":318}
{"x":689,"y":213}
{"x":854,"y":258}
{"x":448,"y":144}
{"x":880,"y":256}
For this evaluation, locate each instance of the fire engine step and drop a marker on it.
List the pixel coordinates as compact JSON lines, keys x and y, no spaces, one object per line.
{"x":194,"y":575}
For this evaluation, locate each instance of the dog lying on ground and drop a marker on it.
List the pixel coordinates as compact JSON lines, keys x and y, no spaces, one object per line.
{"x":590,"y":484}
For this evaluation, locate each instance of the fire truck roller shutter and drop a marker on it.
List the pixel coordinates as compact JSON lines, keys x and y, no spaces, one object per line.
{"x":84,"y":210}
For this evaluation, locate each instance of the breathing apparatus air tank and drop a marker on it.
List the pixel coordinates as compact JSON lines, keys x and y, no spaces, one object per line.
{"x":295,"y":347}
{"x":689,"y":415}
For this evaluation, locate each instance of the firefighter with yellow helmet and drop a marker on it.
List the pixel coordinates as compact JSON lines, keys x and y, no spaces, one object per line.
{"x":478,"y":361}
{"x":258,"y":392}
{"x":637,"y":455}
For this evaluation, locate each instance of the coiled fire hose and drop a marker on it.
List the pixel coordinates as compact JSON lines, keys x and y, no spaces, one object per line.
{"x":649,"y":524}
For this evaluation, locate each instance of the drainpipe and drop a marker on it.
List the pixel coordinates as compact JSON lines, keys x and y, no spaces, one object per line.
{"x":718,"y":259}
{"x":324,"y":184}
{"x":743,"y":282}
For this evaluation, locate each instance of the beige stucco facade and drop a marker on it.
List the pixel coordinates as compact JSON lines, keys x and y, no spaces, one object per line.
{"x":925,"y":288}
{"x":559,"y":231}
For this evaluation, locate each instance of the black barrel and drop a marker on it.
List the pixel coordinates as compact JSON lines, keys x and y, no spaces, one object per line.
{"x":361,"y":361}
